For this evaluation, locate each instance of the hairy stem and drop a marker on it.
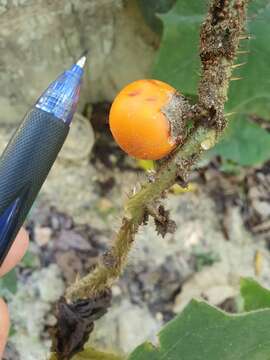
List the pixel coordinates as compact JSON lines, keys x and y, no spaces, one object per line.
{"x":219,"y":40}
{"x":113,"y":261}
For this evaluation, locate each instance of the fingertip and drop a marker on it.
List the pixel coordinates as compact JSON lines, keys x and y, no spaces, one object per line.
{"x":24,"y":239}
{"x":16,"y":252}
{"x":4,"y":326}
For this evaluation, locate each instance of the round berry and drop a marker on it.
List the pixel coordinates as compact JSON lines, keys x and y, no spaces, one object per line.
{"x":140,"y":119}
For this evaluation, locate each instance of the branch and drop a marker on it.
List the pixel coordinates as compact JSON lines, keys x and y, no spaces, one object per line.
{"x":219,"y":41}
{"x":113,"y":261}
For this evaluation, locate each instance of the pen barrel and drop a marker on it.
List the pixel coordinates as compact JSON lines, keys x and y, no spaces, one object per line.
{"x":24,"y":166}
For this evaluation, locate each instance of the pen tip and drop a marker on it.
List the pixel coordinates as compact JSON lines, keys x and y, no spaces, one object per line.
{"x":81,"y":61}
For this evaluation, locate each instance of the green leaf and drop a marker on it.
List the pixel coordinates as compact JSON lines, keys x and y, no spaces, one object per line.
{"x":178,"y":61}
{"x":252,"y":93}
{"x":150,"y":10}
{"x":178,"y":64}
{"x":8,"y":283}
{"x":92,"y":354}
{"x":202,"y":332}
{"x":230,"y":167}
{"x":254,"y":295}
{"x":245,"y":143}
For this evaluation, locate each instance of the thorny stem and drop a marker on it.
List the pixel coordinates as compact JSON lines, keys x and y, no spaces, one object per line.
{"x":219,"y":41}
{"x":111,"y":265}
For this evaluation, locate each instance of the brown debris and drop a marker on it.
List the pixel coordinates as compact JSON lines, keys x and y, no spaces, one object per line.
{"x":75,"y":322}
{"x":163,"y":223}
{"x":257,"y":207}
{"x":70,"y":264}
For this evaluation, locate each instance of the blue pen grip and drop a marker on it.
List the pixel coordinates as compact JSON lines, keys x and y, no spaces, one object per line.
{"x":24,"y":166}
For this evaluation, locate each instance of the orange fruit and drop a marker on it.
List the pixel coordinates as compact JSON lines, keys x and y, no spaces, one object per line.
{"x":138,"y":121}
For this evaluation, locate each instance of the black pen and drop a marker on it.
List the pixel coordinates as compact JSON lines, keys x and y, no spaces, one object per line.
{"x":31,"y":152}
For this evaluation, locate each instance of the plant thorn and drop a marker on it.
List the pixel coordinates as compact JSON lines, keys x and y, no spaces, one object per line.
{"x":238,"y":65}
{"x":236,"y":78}
{"x":243,"y":52}
{"x":230,"y":114}
{"x":246,"y":37}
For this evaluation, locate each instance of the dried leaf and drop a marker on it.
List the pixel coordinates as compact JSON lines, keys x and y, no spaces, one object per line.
{"x":75,"y":322}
